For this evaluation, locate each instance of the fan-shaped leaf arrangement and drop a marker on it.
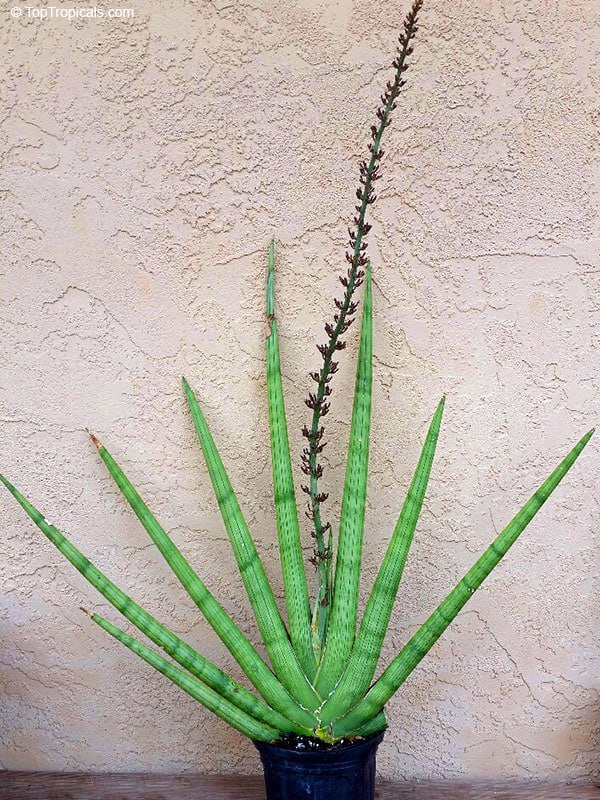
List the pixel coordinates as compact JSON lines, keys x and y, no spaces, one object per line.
{"x":320,"y":679}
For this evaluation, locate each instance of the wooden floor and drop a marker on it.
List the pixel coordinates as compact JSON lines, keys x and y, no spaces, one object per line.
{"x":75,"y":786}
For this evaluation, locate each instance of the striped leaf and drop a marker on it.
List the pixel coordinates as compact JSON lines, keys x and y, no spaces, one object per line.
{"x":232,"y":637}
{"x":286,"y":510}
{"x":181,"y":652}
{"x":273,"y":631}
{"x":342,"y":618}
{"x":373,"y":726}
{"x":199,"y":691}
{"x":367,"y":648}
{"x":420,"y":644}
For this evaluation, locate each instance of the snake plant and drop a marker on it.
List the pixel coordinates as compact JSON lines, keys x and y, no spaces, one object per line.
{"x":319,"y":681}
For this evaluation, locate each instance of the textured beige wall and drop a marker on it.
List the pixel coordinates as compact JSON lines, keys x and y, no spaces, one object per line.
{"x":146,"y":165}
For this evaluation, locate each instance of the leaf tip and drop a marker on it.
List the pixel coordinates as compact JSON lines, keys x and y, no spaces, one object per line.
{"x":587,"y":436}
{"x":271,"y":257}
{"x":440,"y":408}
{"x":7,"y":483}
{"x":94,"y":438}
{"x":271,"y":283}
{"x":85,"y":611}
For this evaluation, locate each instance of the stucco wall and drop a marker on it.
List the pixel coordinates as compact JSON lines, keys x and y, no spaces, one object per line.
{"x":146,"y":165}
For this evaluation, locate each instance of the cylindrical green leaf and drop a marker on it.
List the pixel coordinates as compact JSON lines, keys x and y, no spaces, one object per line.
{"x":286,"y":510}
{"x":367,"y":648}
{"x":342,"y":618}
{"x":420,"y":644}
{"x":273,"y":631}
{"x":375,"y":725}
{"x":159,"y":634}
{"x":199,"y":691}
{"x":232,"y":637}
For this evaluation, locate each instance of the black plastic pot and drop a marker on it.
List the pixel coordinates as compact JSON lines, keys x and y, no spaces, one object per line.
{"x":341,"y":773}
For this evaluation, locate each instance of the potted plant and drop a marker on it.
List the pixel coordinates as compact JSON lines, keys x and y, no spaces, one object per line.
{"x":317,"y":714}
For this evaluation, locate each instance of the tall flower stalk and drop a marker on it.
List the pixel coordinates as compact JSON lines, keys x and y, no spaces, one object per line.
{"x":318,"y":401}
